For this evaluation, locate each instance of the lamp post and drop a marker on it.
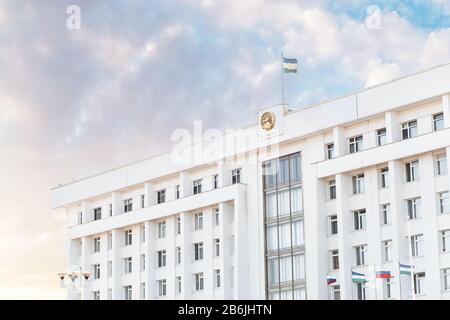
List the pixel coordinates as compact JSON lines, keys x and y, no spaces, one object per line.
{"x":74,"y":280}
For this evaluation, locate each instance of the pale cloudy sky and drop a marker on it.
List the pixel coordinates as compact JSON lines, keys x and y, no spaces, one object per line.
{"x":76,"y":102}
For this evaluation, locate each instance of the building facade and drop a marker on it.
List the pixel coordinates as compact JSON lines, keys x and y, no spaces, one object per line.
{"x":357,"y":184}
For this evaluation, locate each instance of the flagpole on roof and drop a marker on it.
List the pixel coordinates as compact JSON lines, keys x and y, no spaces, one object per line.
{"x":282,"y":79}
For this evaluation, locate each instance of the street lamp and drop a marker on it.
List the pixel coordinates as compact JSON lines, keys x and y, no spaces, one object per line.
{"x":82,"y":277}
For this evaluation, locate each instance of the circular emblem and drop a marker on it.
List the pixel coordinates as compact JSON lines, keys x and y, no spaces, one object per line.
{"x":267,"y":120}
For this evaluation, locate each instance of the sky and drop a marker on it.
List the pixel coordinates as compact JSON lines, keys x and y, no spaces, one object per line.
{"x":75,"y":102}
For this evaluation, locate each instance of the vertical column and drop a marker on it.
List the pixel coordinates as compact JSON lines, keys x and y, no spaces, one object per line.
{"x":208,"y":239}
{"x":225,"y":210}
{"x":399,"y":242}
{"x":170,"y":256}
{"x":117,"y":266}
{"x":186,"y":256}
{"x":430,"y":226}
{"x":392,"y":127}
{"x":224,"y":175}
{"x":85,"y":264}
{"x":446,"y":110}
{"x":103,"y":266}
{"x":344,"y":244}
{"x":137,"y":267}
{"x":116,"y":203}
{"x":240,"y":247}
{"x":340,"y":145}
{"x":185,"y":184}
{"x":73,"y":261}
{"x":151,"y":287}
{"x":149,"y":192}
{"x":86,"y":211}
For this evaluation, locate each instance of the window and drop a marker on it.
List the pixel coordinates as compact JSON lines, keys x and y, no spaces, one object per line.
{"x":441,"y":164}
{"x":96,"y":295}
{"x":199,"y":283}
{"x":127,"y":205}
{"x":97,"y":213}
{"x":109,"y":268}
{"x":360,"y":252}
{"x":358,"y":183}
{"x":446,"y":278}
{"x":332,"y":189}
{"x":142,"y":262}
{"x":110,"y":209}
{"x":178,"y":283}
{"x":217,"y":247}
{"x":97,"y":271}
{"x":409,"y":129}
{"x":444,"y":202}
{"x":334,"y":259}
{"x":142,"y":290}
{"x":162,"y":287}
{"x":97,"y":244}
{"x":161,"y":258}
{"x":414,"y":206}
{"x":416,"y":243}
{"x":178,"y":255}
{"x":359,"y":219}
{"x":80,"y":217}
{"x":236,"y":176}
{"x":445,"y":240}
{"x":361,"y":291}
{"x":333,"y":224}
{"x":128,"y":237}
{"x":128,"y":265}
{"x":387,"y":250}
{"x":143,"y":201}
{"x":197,"y":186}
{"x":381,"y":137}
{"x":178,"y":222}
{"x":387,"y":290}
{"x":215,"y":181}
{"x":109,"y":294}
{"x":161,"y":196}
{"x":438,"y":121}
{"x":355,"y":144}
{"x":329,"y":149}
{"x":217,"y":278}
{"x":109,"y":241}
{"x":198,"y":221}
{"x":412,"y":171}
{"x":143,"y":230}
{"x":217,"y":216}
{"x":128,"y":292}
{"x":161,"y":229}
{"x":419,"y":283}
{"x":384,"y":177}
{"x":386,"y":214}
{"x":336,"y":292}
{"x":198,"y":251}
{"x":177,"y":192}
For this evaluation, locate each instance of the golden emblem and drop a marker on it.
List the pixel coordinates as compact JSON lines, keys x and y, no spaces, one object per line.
{"x":267,"y":120}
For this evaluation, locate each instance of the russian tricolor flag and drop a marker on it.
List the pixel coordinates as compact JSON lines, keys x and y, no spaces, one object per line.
{"x":331,"y":279}
{"x":383,"y":274}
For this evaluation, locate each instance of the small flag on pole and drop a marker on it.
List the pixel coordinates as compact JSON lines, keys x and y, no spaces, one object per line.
{"x":289,"y":65}
{"x":358,"y":277}
{"x":383,"y":274}
{"x":405,"y":269}
{"x":331,"y":280}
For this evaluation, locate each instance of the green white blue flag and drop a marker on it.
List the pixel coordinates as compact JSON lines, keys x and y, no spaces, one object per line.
{"x":289,"y":65}
{"x":358,"y":277}
{"x":405,"y":269}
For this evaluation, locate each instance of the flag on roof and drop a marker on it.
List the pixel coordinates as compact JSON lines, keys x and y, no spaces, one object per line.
{"x":290,"y":65}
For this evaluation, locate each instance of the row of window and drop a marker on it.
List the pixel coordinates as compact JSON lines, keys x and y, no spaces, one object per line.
{"x":408,"y":130}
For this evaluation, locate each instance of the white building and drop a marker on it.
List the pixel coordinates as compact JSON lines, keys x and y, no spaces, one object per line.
{"x":358,"y":177}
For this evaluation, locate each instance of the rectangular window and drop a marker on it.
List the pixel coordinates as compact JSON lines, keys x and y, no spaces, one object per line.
{"x":178,"y":283}
{"x":128,"y":264}
{"x":97,"y":271}
{"x":361,"y":291}
{"x":109,"y":268}
{"x":142,"y":200}
{"x":236,"y":176}
{"x":334,"y":259}
{"x":358,"y":183}
{"x":199,"y":283}
{"x":178,"y":222}
{"x":198,"y":251}
{"x":198,"y":221}
{"x":329,"y":149}
{"x":217,"y":216}
{"x":409,"y":129}
{"x":355,"y":144}
{"x":360,"y":252}
{"x":110,"y":209}
{"x":97,"y":213}
{"x":80,"y":217}
{"x":419,"y":283}
{"x":109,"y":241}
{"x":332,"y":189}
{"x":143,"y":290}
{"x":387,"y":288}
{"x":109,"y":294}
{"x":215,"y":181}
{"x":197,"y":186}
{"x":142,"y":262}
{"x":412,"y":171}
{"x":128,"y":292}
{"x":387,"y":250}
{"x":333,"y":224}
{"x":177,"y":192}
{"x":381,"y":137}
{"x":128,"y":237}
{"x":414,"y":208}
{"x":161,"y":196}
{"x":97,"y":244}
{"x":127,"y":205}
{"x":386,"y":214}
{"x":384,"y":177}
{"x":178,"y":255}
{"x":446,"y":279}
{"x":217,"y":247}
{"x":143,"y":231}
{"x":217,"y":278}
{"x":336,"y":292}
{"x":441,"y":164}
{"x":161,"y":258}
{"x":438,"y":121}
{"x":445,"y":240}
{"x":416,"y":244}
{"x":162,"y":287}
{"x":96,"y":295}
{"x":161,"y":229}
{"x":359,"y":219}
{"x":443,"y":202}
